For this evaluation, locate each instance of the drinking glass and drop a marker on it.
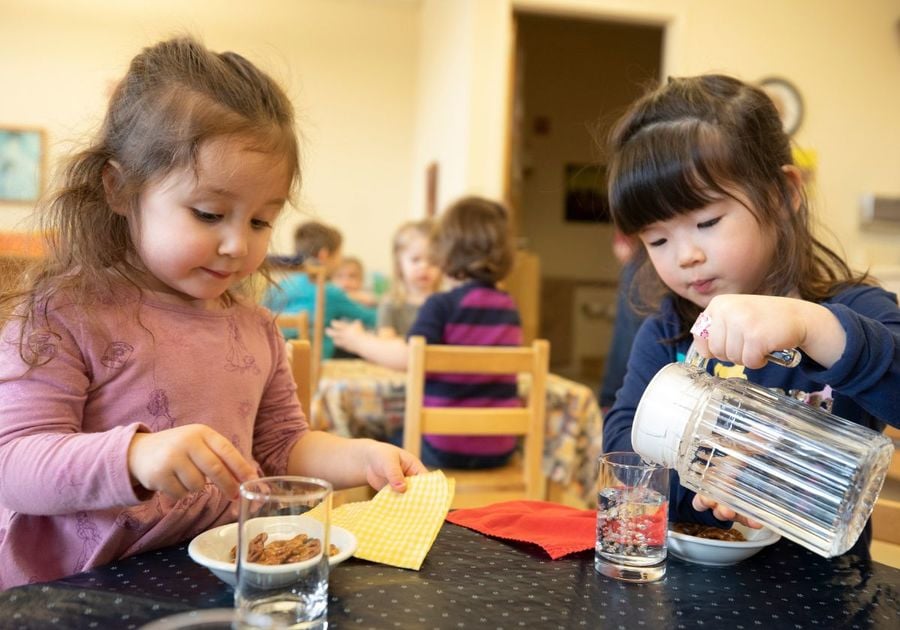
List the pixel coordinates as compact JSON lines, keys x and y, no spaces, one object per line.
{"x":278,"y":586}
{"x":632,"y":518}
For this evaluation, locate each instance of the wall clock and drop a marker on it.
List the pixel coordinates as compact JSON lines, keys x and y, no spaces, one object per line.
{"x":787,"y":101}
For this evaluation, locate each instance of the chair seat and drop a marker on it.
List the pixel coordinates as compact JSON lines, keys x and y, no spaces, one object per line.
{"x":476,"y":488}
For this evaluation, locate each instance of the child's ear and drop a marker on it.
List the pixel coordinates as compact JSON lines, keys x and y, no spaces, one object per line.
{"x":795,"y":182}
{"x":112,"y":187}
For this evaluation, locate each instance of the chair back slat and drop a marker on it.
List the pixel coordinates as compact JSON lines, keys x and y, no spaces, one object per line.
{"x":474,"y":359}
{"x":301,"y":364}
{"x":453,"y":421}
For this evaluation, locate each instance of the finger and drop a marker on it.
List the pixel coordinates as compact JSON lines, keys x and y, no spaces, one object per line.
{"x":411,"y":465}
{"x":701,"y":503}
{"x":701,"y":330}
{"x":754,"y":357}
{"x":223,"y":465}
{"x":218,"y":473}
{"x":750,"y":522}
{"x":171,"y":485}
{"x":191,"y":478}
{"x":395,"y":477}
{"x":240,"y":467}
{"x":724,"y":513}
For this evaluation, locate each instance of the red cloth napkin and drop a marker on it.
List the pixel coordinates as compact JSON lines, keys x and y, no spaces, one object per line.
{"x":558,"y":529}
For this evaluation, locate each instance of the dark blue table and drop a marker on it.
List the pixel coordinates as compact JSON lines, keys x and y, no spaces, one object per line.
{"x":469,"y":581}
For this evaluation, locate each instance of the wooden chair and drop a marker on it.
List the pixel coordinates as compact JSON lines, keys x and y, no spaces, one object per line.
{"x":524,"y":285}
{"x":295,"y":321}
{"x":523,"y":477}
{"x":300,"y":321}
{"x":300,"y":357}
{"x":887,"y":508}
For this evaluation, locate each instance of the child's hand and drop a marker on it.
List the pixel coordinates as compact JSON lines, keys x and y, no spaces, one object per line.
{"x":346,"y":335}
{"x":723,"y":512}
{"x":743,"y":329}
{"x":387,"y":464}
{"x":180,"y":461}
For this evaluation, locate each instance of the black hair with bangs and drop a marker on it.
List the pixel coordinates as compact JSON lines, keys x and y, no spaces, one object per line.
{"x":696,"y":140}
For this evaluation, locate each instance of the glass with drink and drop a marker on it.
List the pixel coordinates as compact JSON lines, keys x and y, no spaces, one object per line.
{"x":632,"y":518}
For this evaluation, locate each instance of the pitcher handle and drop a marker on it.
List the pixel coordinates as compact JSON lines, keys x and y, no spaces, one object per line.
{"x":788,"y":357}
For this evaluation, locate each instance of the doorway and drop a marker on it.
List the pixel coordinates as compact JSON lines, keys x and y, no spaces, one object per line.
{"x":573,"y":78}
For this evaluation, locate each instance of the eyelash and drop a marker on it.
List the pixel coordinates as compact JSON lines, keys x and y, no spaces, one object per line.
{"x":701,"y":225}
{"x":210,"y":217}
{"x":206,"y":217}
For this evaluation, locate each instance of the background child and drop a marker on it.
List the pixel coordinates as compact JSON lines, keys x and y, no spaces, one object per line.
{"x":138,"y":386}
{"x":415,"y":278}
{"x":350,"y":276}
{"x":702,"y":173}
{"x":473,"y":247}
{"x":318,"y":243}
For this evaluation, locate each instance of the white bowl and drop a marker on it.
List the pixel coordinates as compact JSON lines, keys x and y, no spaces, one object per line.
{"x":212,"y":548}
{"x":720,"y":553}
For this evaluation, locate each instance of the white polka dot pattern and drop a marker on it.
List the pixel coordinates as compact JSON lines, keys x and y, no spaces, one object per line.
{"x":472,"y":581}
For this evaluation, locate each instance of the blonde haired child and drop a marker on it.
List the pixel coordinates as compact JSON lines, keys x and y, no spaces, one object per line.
{"x":138,"y":385}
{"x":415,"y":278}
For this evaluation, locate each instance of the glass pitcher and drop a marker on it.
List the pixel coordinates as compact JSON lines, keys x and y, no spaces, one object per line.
{"x":810,"y":476}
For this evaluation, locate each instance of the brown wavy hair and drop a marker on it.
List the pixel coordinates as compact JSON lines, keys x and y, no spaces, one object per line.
{"x":695,"y":140}
{"x":473,"y":241}
{"x":175,"y":96}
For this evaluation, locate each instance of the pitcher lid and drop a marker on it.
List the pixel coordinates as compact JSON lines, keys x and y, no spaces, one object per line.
{"x":663,"y":413}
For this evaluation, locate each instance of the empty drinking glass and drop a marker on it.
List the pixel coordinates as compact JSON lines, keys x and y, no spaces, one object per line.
{"x":282,"y":553}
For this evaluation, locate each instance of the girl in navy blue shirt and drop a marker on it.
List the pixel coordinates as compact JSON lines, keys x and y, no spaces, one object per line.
{"x":701,"y":172}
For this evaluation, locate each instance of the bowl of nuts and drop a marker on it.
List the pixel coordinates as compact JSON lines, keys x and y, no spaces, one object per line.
{"x":278,"y":543}
{"x":714,"y":546}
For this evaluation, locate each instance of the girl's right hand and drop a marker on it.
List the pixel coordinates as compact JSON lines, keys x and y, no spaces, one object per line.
{"x":180,"y":461}
{"x":346,"y":335}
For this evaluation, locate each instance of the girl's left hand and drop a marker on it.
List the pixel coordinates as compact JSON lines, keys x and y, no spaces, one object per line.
{"x":743,"y":329}
{"x":723,"y":512}
{"x":387,"y":464}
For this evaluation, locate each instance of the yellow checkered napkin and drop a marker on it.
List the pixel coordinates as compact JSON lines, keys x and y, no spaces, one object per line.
{"x":399,"y":528}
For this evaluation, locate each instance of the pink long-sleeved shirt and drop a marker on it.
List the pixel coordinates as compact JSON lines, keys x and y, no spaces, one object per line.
{"x":66,"y":499}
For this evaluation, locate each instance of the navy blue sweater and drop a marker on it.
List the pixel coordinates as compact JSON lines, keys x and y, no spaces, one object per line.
{"x":865,"y":381}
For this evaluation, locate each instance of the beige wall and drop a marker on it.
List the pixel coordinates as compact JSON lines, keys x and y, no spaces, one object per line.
{"x":843,"y":56}
{"x":349,"y":65}
{"x":383,"y":87}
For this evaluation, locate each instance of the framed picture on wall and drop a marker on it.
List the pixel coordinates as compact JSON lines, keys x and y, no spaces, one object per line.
{"x":22,"y":155}
{"x":585,"y":190}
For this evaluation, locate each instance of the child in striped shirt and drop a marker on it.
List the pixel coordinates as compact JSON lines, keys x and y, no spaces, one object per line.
{"x":473,"y":247}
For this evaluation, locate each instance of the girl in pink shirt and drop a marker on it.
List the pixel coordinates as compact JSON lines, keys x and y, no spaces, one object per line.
{"x":139,"y":382}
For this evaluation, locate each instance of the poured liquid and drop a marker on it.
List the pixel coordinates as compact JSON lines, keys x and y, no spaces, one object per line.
{"x":631,"y":525}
